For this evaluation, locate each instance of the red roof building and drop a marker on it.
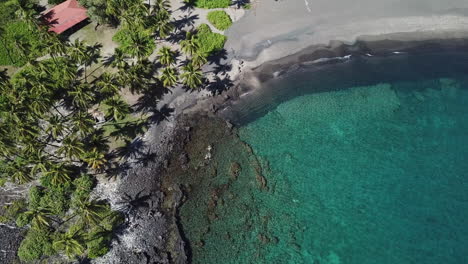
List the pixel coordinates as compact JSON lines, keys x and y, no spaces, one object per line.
{"x":64,"y":16}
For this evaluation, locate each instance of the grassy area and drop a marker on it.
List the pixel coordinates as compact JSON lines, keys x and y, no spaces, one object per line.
{"x":212,"y":3}
{"x":210,"y":42}
{"x":219,"y":19}
{"x":18,"y":39}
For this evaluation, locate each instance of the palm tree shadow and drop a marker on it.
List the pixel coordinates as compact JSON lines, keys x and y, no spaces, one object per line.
{"x":157,"y":116}
{"x":222,"y":68}
{"x":188,"y":5}
{"x":133,"y":205}
{"x":149,"y":99}
{"x":185,"y":20}
{"x":116,"y":169}
{"x":131,"y":149}
{"x":218,"y":85}
{"x":176,"y":37}
{"x":129,"y":129}
{"x":147,"y":158}
{"x":240,"y":3}
{"x":218,"y":58}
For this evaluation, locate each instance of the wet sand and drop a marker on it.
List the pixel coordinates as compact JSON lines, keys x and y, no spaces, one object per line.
{"x":275,"y":29}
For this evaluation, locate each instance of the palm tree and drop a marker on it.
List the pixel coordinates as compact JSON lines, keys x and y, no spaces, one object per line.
{"x":71,"y":147}
{"x":97,"y":140}
{"x":71,"y":242}
{"x":39,"y":218}
{"x":108,"y":84}
{"x":190,"y":43}
{"x":141,"y":45}
{"x":95,"y":159}
{"x":77,"y":51}
{"x":168,"y":77}
{"x":91,"y":211}
{"x":55,"y":47}
{"x":21,"y":176}
{"x":162,"y":4}
{"x":82,"y":95}
{"x":56,"y":175}
{"x":163,"y":26}
{"x":198,"y":60}
{"x":56,"y":126}
{"x":119,"y":59}
{"x":18,"y":171}
{"x":166,"y":55}
{"x":27,"y":13}
{"x":83,"y":122}
{"x":116,"y":108}
{"x":191,"y":77}
{"x":23,"y":47}
{"x":41,"y":162}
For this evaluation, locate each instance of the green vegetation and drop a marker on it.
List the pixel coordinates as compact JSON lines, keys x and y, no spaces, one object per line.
{"x":17,"y":38}
{"x":60,"y":118}
{"x":135,"y":42}
{"x":212,"y":3}
{"x":36,"y":244}
{"x":219,"y":19}
{"x":208,"y":41}
{"x":13,"y":210}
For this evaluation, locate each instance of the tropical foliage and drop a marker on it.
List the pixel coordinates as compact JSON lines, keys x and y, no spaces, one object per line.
{"x":17,"y":38}
{"x":211,"y":3}
{"x":61,"y":116}
{"x":208,"y":41}
{"x":219,"y":19}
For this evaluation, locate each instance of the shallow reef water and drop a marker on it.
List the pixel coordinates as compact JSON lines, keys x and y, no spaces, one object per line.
{"x":361,"y":175}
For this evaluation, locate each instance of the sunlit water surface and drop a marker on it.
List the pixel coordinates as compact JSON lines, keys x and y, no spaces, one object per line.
{"x":366,"y":174}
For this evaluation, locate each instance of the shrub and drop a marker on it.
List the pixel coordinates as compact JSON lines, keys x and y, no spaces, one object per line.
{"x":219,"y":19}
{"x":83,"y":184}
{"x":97,"y":247}
{"x":22,"y":220}
{"x":56,"y":200}
{"x":98,"y":242}
{"x":83,"y":187}
{"x":111,"y":220}
{"x":209,"y":42}
{"x":34,"y":197}
{"x":13,"y":210}
{"x":212,"y":3}
{"x":36,"y":244}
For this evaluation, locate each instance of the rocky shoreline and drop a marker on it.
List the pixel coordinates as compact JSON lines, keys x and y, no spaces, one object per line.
{"x":153,"y":233}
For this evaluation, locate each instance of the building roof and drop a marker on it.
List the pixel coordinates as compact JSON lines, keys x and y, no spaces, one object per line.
{"x":64,"y":16}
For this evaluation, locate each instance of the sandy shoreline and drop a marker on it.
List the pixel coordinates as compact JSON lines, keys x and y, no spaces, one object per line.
{"x":151,"y":234}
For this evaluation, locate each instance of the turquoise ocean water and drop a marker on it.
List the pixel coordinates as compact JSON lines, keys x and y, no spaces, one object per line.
{"x":361,"y":174}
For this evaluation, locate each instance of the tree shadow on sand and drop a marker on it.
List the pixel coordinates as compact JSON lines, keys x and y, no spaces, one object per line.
{"x":187,"y":20}
{"x":161,"y":114}
{"x":218,"y":85}
{"x":240,"y":3}
{"x":130,"y":150}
